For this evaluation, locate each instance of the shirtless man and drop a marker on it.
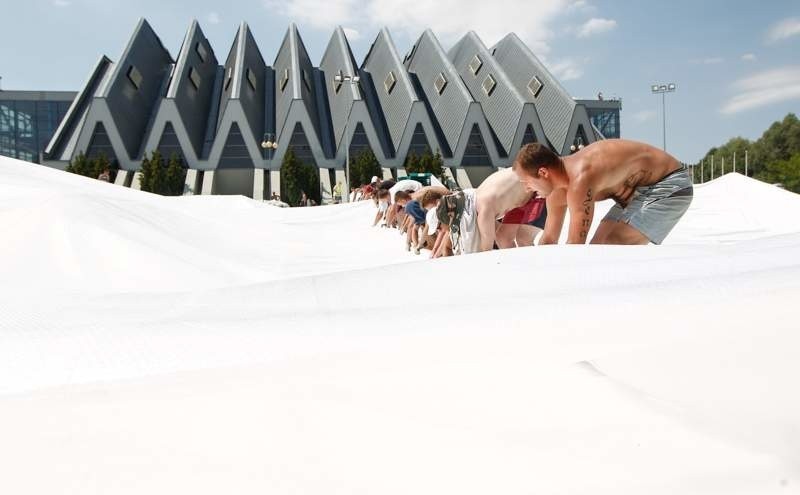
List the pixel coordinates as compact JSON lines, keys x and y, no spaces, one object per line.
{"x":651,"y":188}
{"x":471,"y":214}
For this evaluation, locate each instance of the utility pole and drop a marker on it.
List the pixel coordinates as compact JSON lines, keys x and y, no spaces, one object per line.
{"x":734,"y":162}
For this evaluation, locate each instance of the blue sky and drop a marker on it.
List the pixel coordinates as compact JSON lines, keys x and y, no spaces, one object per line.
{"x":736,"y":63}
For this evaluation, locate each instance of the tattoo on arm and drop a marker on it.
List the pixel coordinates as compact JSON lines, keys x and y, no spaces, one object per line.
{"x":586,"y":222}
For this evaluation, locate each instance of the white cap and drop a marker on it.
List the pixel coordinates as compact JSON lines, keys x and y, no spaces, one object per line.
{"x":432,"y":220}
{"x":374,"y":179}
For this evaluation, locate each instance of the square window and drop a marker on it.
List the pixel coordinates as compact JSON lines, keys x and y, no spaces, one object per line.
{"x":135,"y":77}
{"x":535,"y":86}
{"x":475,"y":65}
{"x":284,"y":79}
{"x":439,"y":83}
{"x":389,"y":82}
{"x":194,"y":77}
{"x":201,"y":51}
{"x":488,"y":85}
{"x":251,"y":79}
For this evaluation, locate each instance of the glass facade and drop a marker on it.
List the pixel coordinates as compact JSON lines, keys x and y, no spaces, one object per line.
{"x":26,"y":125}
{"x":607,"y":122}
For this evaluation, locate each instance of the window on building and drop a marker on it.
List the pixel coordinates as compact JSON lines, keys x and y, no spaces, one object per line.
{"x":475,"y":65}
{"x":251,"y":79}
{"x":389,"y":82}
{"x":488,"y":85}
{"x":439,"y":83}
{"x":201,"y":51}
{"x":194,"y":77}
{"x":284,"y":79}
{"x":535,"y":86}
{"x":228,"y":78}
{"x":337,"y":85}
{"x":135,"y":77}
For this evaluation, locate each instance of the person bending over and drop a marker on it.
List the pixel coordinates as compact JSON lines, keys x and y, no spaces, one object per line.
{"x":651,"y":189}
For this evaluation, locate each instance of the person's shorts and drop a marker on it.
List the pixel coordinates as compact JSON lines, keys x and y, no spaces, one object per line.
{"x":654,"y":210}
{"x":416,"y":211}
{"x":525,"y":214}
{"x":541,"y":220}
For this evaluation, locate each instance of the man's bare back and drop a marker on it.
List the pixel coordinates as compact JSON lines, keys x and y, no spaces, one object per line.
{"x":614,"y":168}
{"x":501,"y":191}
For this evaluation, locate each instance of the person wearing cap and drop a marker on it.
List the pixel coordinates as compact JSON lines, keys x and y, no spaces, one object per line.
{"x":471,"y":214}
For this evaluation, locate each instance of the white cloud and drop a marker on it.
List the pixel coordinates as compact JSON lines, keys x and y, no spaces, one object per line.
{"x":352,"y":34}
{"x":749,"y":57}
{"x":707,"y":61}
{"x":565,"y":70}
{"x":596,"y":26}
{"x":62,"y":3}
{"x":765,"y":88}
{"x":213,"y":18}
{"x":532,"y":20}
{"x":784,"y":29}
{"x":643,"y":116}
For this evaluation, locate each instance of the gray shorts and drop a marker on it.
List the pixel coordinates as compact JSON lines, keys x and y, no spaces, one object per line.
{"x":654,"y":210}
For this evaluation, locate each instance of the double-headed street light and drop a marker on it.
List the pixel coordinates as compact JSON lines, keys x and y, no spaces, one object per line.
{"x":269,"y":144}
{"x":339,"y":78}
{"x":663,"y":89}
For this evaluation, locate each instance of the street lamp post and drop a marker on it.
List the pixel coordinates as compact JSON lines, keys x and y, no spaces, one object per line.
{"x":269,"y":143}
{"x":663,"y":89}
{"x":354,"y":80}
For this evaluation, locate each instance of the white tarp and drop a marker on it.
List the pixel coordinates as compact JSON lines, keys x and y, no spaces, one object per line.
{"x":220,"y":345}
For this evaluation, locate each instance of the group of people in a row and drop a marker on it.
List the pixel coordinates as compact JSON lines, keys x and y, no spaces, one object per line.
{"x":651,"y":189}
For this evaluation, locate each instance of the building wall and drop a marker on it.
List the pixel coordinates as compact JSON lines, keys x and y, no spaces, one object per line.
{"x":28,"y":119}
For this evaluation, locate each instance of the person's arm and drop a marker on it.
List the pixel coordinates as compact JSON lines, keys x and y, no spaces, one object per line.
{"x":486,"y":228}
{"x":440,"y":243}
{"x":378,"y":217}
{"x":556,"y":211}
{"x":580,"y":201}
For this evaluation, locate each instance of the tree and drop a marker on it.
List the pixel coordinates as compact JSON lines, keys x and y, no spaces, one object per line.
{"x":364,"y":167}
{"x":175,"y":176}
{"x":412,"y":163}
{"x":80,"y":165}
{"x":298,"y":177}
{"x":290,"y":178}
{"x":784,"y":172}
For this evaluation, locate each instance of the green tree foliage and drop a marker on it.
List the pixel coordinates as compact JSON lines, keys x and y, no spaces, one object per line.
{"x":784,"y":172}
{"x":364,"y":167}
{"x":162,"y":177}
{"x":771,"y":158}
{"x":298,"y":177}
{"x":426,"y":163}
{"x":90,"y":167}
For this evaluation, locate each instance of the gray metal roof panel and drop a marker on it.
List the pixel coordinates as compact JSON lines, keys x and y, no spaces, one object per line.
{"x":396,"y":106}
{"x":553,"y":104}
{"x":450,"y":108}
{"x":338,"y":57}
{"x":503,"y":108}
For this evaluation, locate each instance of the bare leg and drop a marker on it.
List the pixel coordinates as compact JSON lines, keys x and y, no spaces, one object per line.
{"x":526,"y":234}
{"x":619,"y":233}
{"x":506,"y":234}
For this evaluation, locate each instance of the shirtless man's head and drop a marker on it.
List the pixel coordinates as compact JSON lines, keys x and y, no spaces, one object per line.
{"x":539,"y":169}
